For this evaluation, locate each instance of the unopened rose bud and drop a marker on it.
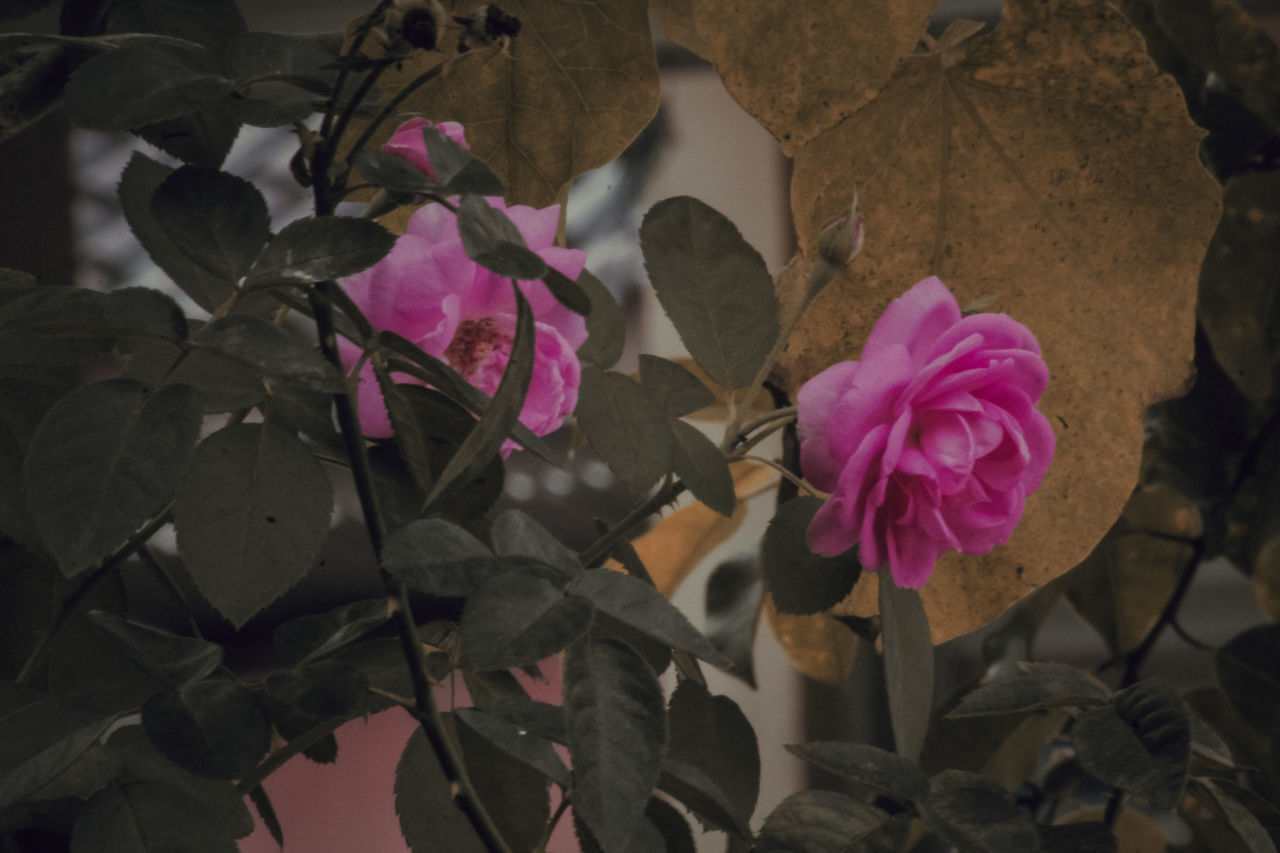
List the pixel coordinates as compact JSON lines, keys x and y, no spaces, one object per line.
{"x":420,"y":29}
{"x":842,"y":239}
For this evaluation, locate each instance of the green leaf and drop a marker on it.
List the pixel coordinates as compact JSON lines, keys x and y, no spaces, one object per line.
{"x":517,"y":618}
{"x":11,"y":279}
{"x":712,"y":734}
{"x":392,"y":172}
{"x":251,"y":517}
{"x":671,"y":825}
{"x":440,"y":558}
{"x":39,"y":740}
{"x":908,"y":665}
{"x":106,"y":458}
{"x":267,"y":812}
{"x":174,"y":660}
{"x":1249,"y":671}
{"x":625,"y":427}
{"x":876,"y":768}
{"x":713,"y":285}
{"x":617,"y":730}
{"x":322,"y":690}
{"x":518,"y":792}
{"x":818,"y":822}
{"x":567,"y":292}
{"x":1074,"y":837}
{"x":518,"y":742}
{"x":494,"y":242}
{"x":202,"y":138}
{"x":639,"y":605}
{"x":271,"y":352}
{"x":214,"y":727}
{"x":515,"y":534}
{"x":1140,"y":743}
{"x":1235,"y":814}
{"x":141,"y":83}
{"x":457,"y":169}
{"x":1039,"y":686}
{"x":734,"y":592}
{"x":316,"y":635}
{"x":606,"y":326}
{"x":148,"y":817}
{"x":502,"y":413}
{"x":212,"y":23}
{"x":702,"y":466}
{"x":299,"y":58}
{"x":673,"y":388}
{"x":217,"y":221}
{"x":319,"y":249}
{"x":799,"y":580}
{"x":429,"y":820}
{"x":978,"y":815}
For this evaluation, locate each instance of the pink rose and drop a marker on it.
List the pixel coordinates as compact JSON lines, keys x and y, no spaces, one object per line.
{"x":407,"y":142}
{"x":931,"y":442}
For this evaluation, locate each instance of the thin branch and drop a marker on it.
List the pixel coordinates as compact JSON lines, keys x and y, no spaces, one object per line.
{"x":1134,"y":660}
{"x":276,"y":760}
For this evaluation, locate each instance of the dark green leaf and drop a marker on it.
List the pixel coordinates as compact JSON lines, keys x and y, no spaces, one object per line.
{"x":21,"y":9}
{"x":1075,"y":837}
{"x":606,"y":326}
{"x":908,"y":665}
{"x":1141,"y":743}
{"x":676,"y":835}
{"x":456,"y":169}
{"x":673,"y":388}
{"x":712,"y":734}
{"x":734,"y":592}
{"x":517,"y":618}
{"x":300,"y":57}
{"x":617,"y":730}
{"x":325,"y":689}
{"x":218,"y":221}
{"x":311,"y":250}
{"x":493,"y":241}
{"x":867,"y":765}
{"x":518,"y":792}
{"x":214,"y":727}
{"x":702,"y":466}
{"x":567,"y":292}
{"x":1249,"y":671}
{"x":213,"y":23}
{"x":276,"y":111}
{"x":96,"y":768}
{"x":148,"y":817}
{"x":799,"y":580}
{"x":713,"y":285}
{"x":494,"y":686}
{"x":429,"y":820}
{"x":440,"y":558}
{"x":203,"y":138}
{"x":540,"y":718}
{"x":639,"y":605}
{"x":311,"y":637}
{"x":515,"y":534}
{"x":625,"y":427}
{"x":520,"y":743}
{"x":267,"y":812}
{"x":22,"y":406}
{"x":105,"y":459}
{"x":817,"y":822}
{"x":392,"y":172}
{"x":174,"y":660}
{"x":272,"y":351}
{"x":251,"y":517}
{"x":223,"y":383}
{"x":1226,"y":808}
{"x":1040,"y":686}
{"x":655,"y":653}
{"x":141,"y":83}
{"x":11,"y":279}
{"x":39,"y":740}
{"x":977,"y":815}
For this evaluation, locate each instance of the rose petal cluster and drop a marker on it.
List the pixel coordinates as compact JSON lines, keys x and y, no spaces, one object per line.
{"x":931,"y":442}
{"x":428,"y":291}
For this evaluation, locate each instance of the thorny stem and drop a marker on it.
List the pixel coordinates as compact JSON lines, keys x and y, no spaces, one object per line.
{"x":551,"y":823}
{"x":357,"y":41}
{"x":1135,"y":659}
{"x":602,"y":546}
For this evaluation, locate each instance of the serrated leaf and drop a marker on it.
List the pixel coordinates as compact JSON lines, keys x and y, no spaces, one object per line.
{"x":1249,"y":671}
{"x":712,"y":734}
{"x":818,"y":822}
{"x":517,"y":618}
{"x":606,"y":326}
{"x":325,"y":689}
{"x":456,"y":168}
{"x":267,"y":813}
{"x":734,"y":591}
{"x":214,"y":727}
{"x":307,"y":638}
{"x":429,"y":820}
{"x":1039,"y":686}
{"x":867,"y":765}
{"x":702,"y":466}
{"x":251,"y":517}
{"x":104,"y":459}
{"x":174,"y":660}
{"x":271,"y":351}
{"x":616,"y":729}
{"x":493,"y":241}
{"x":518,"y":792}
{"x":148,"y":817}
{"x":40,"y":739}
{"x":624,"y":427}
{"x":141,"y":83}
{"x":713,"y":285}
{"x":1226,"y":808}
{"x":515,"y":534}
{"x":567,"y":292}
{"x":259,"y":54}
{"x":318,"y":249}
{"x":518,"y":742}
{"x":640,"y":606}
{"x":978,"y":815}
{"x":392,"y":172}
{"x":218,"y":221}
{"x":799,"y":580}
{"x":438,"y":557}
{"x":672,"y":387}
{"x":1140,"y":743}
{"x":908,"y":665}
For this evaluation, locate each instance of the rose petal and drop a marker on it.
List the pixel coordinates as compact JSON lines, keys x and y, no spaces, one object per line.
{"x":915,"y":320}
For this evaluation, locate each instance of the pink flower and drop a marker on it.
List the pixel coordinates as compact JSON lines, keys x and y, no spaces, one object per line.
{"x":407,"y":142}
{"x":931,"y":442}
{"x":428,"y":291}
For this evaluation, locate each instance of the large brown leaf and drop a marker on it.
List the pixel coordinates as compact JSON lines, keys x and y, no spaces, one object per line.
{"x":1049,"y":172}
{"x":799,"y":68}
{"x":579,"y":83}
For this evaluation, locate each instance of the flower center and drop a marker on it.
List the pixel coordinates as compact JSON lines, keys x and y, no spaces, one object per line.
{"x":474,"y":342}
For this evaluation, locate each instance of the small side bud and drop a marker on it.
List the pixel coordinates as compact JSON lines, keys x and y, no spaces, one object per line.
{"x":842,"y":239}
{"x":420,"y":29}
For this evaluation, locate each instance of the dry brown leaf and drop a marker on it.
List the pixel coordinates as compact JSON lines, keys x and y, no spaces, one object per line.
{"x":799,"y":68}
{"x":1051,"y":172}
{"x":580,"y":83}
{"x":678,"y":543}
{"x":675,"y":17}
{"x":818,"y":645}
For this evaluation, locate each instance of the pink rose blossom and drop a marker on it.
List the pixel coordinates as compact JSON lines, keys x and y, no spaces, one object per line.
{"x":931,"y":442}
{"x":407,"y":142}
{"x":428,"y":291}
